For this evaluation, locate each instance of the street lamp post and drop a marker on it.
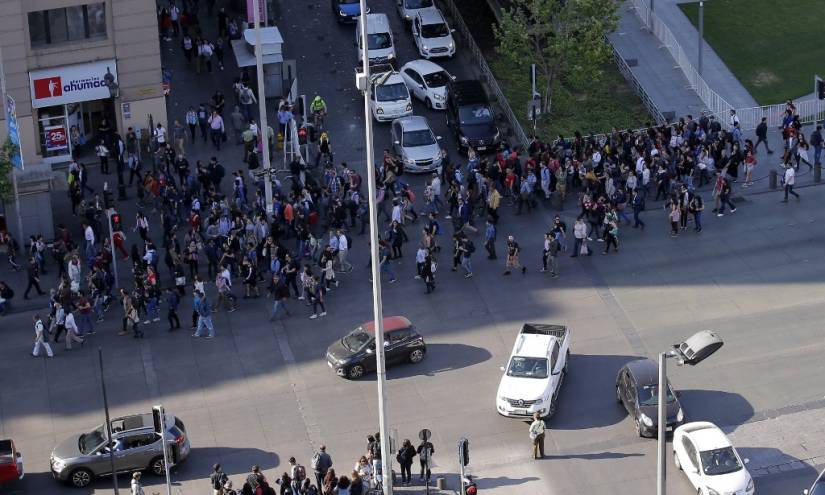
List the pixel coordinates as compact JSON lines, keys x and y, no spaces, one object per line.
{"x":263,"y":131}
{"x":701,"y":32}
{"x":692,"y":352}
{"x":363,"y":84}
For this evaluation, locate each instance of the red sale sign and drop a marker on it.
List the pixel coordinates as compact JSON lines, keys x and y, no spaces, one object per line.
{"x":56,"y":138}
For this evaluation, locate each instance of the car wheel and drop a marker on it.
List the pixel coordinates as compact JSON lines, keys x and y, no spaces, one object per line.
{"x":416,"y":355}
{"x":157,"y":466}
{"x":428,"y":103}
{"x":676,"y":461}
{"x":81,"y":478}
{"x":356,"y":371}
{"x":618,"y":394}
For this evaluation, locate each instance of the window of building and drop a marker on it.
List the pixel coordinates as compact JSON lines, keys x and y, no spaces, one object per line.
{"x":66,"y":24}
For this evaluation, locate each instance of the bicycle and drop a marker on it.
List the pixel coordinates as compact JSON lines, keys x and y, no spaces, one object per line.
{"x":318,"y":120}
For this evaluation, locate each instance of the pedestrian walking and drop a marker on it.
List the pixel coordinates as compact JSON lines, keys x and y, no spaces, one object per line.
{"x":724,"y":197}
{"x":580,"y":235}
{"x":789,"y":179}
{"x":466,"y":248}
{"x":762,"y":136}
{"x":513,"y":251}
{"x":33,"y":277}
{"x":172,"y":303}
{"x":490,"y":239}
{"x":321,"y":464}
{"x":428,"y":273}
{"x":550,"y":254}
{"x":216,"y":129}
{"x":536,"y":430}
{"x":40,"y":339}
{"x":72,"y":331}
{"x":695,"y":207}
{"x":204,"y":317}
{"x":218,"y":479}
{"x":137,"y":488}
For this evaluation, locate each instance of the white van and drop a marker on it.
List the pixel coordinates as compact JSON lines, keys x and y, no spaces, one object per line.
{"x":380,"y":47}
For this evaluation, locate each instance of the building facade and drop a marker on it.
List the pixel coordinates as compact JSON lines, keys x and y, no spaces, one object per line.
{"x":79,"y":71}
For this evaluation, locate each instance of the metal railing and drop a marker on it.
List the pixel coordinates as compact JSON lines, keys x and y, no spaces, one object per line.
{"x":486,"y":74}
{"x":808,"y":110}
{"x":637,"y":86}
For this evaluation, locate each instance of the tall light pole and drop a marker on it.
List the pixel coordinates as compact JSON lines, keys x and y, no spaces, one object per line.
{"x":108,"y":421}
{"x":692,"y":351}
{"x":701,"y":32}
{"x":13,"y":169}
{"x":363,"y":83}
{"x":263,"y":132}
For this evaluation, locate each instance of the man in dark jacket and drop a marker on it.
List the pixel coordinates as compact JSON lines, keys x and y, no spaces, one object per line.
{"x":33,"y":272}
{"x":762,"y":135}
{"x":321,"y":462}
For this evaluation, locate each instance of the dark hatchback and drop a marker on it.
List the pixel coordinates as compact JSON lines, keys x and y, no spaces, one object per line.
{"x":637,"y":389}
{"x":346,"y":11}
{"x":354,"y":354}
{"x":470,"y":117}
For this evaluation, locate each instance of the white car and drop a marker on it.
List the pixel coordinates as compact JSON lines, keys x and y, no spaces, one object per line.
{"x":535,"y":372}
{"x":389,"y":97}
{"x":379,"y":40}
{"x":407,"y":9}
{"x":427,"y":81}
{"x":709,"y":461}
{"x":432,"y":35}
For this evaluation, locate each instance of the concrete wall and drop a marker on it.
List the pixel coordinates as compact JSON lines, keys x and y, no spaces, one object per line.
{"x":132,"y":38}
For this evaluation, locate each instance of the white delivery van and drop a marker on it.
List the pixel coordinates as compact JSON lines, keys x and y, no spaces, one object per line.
{"x":380,"y":46}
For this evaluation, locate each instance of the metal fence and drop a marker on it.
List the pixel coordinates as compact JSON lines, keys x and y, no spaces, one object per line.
{"x":808,"y":110}
{"x":486,"y":74}
{"x":637,"y":86}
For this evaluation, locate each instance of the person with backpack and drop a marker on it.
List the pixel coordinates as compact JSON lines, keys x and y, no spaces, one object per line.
{"x":297,"y":475}
{"x":321,"y":464}
{"x":218,"y":479}
{"x":405,"y":458}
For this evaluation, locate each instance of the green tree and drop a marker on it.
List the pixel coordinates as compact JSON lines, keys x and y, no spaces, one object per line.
{"x":6,"y":150}
{"x":564,"y":38}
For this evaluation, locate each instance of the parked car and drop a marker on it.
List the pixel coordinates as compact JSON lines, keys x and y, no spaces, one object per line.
{"x":11,"y":463}
{"x":135,"y":443}
{"x":535,"y":371}
{"x":379,"y":40}
{"x":637,"y":389}
{"x":427,"y":81}
{"x":433,"y":37}
{"x":408,"y":8}
{"x":710,"y":461}
{"x":416,"y":144}
{"x":389,"y":96}
{"x":354,"y":355}
{"x":347,"y":11}
{"x":818,"y":488}
{"x":470,"y":116}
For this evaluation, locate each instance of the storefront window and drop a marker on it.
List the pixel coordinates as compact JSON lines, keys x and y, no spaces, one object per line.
{"x":53,"y":131}
{"x":76,"y":27}
{"x":96,"y":15}
{"x":76,"y":23}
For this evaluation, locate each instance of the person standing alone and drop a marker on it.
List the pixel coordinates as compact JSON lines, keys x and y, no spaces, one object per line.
{"x":537,"y":428}
{"x":321,"y":463}
{"x":789,"y":180}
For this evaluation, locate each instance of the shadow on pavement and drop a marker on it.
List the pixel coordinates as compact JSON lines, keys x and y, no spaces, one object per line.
{"x":235,"y":462}
{"x":484,"y":483}
{"x":442,"y":358}
{"x":588,"y":398}
{"x":594,"y":456}
{"x":716,"y":406}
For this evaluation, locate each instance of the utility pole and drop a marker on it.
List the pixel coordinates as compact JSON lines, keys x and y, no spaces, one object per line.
{"x":264,"y":128}
{"x":701,"y":32}
{"x":13,"y":169}
{"x":108,"y":421}
{"x":362,"y":82}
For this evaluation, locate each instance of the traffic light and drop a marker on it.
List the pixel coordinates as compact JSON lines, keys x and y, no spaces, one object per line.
{"x":820,"y":88}
{"x":108,"y":199}
{"x":464,"y":451}
{"x":302,"y":135}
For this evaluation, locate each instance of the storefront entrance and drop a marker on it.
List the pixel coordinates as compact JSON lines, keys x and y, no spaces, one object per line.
{"x":74,"y":129}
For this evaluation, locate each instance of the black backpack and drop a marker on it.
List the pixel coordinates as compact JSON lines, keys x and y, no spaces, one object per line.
{"x":471,"y":248}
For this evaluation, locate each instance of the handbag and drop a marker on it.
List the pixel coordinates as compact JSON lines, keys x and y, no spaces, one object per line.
{"x":584,"y":249}
{"x":180,"y":281}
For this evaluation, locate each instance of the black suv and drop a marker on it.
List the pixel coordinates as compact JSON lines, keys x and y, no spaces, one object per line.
{"x":470,"y":116}
{"x":637,"y":389}
{"x":354,"y":355}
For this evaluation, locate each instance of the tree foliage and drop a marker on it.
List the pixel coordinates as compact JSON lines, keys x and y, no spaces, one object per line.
{"x":6,"y":151}
{"x":564,"y":38}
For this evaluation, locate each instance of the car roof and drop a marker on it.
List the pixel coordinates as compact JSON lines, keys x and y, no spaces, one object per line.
{"x":468,"y":92}
{"x":431,"y":15}
{"x":413,"y":123}
{"x":705,"y":435}
{"x":423,"y":66}
{"x":390,"y":323}
{"x":377,"y":21}
{"x":644,"y":371}
{"x":533,"y":345}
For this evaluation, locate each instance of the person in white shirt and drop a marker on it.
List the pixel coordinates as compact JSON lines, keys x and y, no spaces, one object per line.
{"x":40,"y":339}
{"x":137,"y":488}
{"x":89,"y":236}
{"x":216,"y":129}
{"x":790,"y":178}
{"x":72,"y":332}
{"x":343,"y":250}
{"x":160,"y":135}
{"x":397,"y":215}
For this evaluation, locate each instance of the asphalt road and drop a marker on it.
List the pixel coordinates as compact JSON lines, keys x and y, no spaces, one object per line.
{"x":260,"y":393}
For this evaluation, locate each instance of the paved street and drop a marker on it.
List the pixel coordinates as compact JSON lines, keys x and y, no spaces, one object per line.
{"x":260,"y":393}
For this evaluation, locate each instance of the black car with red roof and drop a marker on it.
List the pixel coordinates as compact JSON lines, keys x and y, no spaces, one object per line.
{"x":354,"y":355}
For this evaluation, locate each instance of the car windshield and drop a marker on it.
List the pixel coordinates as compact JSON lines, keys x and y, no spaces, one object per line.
{"x":357,"y":339}
{"x":719,"y":461}
{"x":422,"y":137}
{"x":392,"y":92}
{"x":528,"y":367}
{"x":475,"y":114}
{"x":436,"y":79}
{"x":89,"y":442}
{"x":379,"y":41}
{"x":434,"y":30}
{"x":649,"y":395}
{"x":419,"y":4}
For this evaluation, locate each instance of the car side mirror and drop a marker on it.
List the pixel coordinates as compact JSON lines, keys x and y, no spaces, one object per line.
{"x":746,"y":460}
{"x":452,"y":30}
{"x":386,"y":344}
{"x":397,"y":142}
{"x":438,"y":138}
{"x":805,"y":492}
{"x":370,"y":350}
{"x":501,"y":368}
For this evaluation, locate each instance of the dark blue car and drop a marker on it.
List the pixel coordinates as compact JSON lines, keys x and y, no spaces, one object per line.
{"x":347,"y":10}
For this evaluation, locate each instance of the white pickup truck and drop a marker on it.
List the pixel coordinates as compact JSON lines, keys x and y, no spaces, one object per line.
{"x":534,"y":374}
